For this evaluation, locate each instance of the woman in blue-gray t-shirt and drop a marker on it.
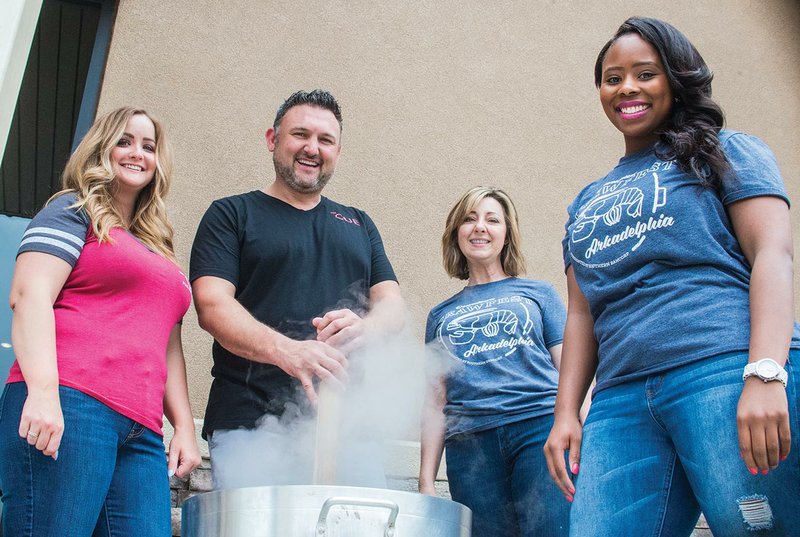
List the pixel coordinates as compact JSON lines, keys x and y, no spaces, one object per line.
{"x":495,"y":350}
{"x":679,"y":268}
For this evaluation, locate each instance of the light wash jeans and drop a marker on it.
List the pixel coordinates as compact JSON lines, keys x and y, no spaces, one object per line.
{"x":501,"y":475}
{"x":659,"y":450}
{"x":110,"y":478}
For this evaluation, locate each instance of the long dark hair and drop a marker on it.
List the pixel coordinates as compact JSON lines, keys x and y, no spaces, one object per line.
{"x":691,"y":132}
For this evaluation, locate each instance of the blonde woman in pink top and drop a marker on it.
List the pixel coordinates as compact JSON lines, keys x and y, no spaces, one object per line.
{"x":98,"y":298}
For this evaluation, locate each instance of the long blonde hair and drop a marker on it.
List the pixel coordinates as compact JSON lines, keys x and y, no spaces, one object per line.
{"x":511,"y":258}
{"x":89,"y":174}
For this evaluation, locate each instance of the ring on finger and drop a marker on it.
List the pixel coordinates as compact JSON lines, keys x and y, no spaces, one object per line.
{"x":33,"y":435}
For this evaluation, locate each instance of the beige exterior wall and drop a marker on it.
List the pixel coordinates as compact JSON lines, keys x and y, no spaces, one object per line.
{"x":438,"y":96}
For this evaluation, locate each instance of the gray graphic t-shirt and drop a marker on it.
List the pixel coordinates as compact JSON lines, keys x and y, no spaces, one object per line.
{"x":492,"y":340}
{"x":657,"y":258}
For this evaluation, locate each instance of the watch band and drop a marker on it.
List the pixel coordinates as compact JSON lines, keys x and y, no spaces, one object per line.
{"x":767,"y":370}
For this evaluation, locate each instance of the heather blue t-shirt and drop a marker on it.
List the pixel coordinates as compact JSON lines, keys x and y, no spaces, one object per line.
{"x":58,"y":229}
{"x":655,"y":254}
{"x":492,"y":340}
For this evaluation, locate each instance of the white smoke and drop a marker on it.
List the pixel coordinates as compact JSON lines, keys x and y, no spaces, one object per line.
{"x":382,"y":402}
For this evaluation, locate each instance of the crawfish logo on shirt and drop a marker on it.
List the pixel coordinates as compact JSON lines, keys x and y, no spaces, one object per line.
{"x":487,"y":331}
{"x":619,"y":217}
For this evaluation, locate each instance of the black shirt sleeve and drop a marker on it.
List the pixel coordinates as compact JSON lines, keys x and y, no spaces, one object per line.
{"x":215,"y":251}
{"x":381,"y":267}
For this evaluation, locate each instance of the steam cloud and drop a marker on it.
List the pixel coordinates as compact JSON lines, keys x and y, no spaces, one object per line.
{"x":380,"y":405}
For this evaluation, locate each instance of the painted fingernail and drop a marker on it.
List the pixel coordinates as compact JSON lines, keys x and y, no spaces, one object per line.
{"x":575,"y":468}
{"x":784,"y":457}
{"x":569,"y":499}
{"x":171,"y":472}
{"x":572,"y":491}
{"x":753,"y":471}
{"x":764,"y":472}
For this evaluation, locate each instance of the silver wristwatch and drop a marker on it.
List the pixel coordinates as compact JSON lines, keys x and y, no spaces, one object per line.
{"x":767,"y":370}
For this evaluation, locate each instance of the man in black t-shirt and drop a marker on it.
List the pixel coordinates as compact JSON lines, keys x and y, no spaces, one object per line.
{"x":287,"y":281}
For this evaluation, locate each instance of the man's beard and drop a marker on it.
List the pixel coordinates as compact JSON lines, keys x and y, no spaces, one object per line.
{"x":287,"y":175}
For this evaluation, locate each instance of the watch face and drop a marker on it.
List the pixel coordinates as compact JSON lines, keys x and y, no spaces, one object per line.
{"x":767,"y":369}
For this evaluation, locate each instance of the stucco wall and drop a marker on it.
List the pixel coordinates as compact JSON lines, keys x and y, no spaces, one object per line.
{"x":438,"y":96}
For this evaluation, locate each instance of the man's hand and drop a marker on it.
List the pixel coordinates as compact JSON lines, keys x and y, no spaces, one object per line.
{"x":305,"y":360}
{"x":342,"y":329}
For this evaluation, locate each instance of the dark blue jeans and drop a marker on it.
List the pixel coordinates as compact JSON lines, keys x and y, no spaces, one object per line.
{"x":658,"y":450}
{"x":110,"y":477}
{"x":501,"y":475}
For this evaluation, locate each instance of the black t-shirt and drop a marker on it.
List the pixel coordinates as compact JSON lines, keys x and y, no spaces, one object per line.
{"x":288,"y":266}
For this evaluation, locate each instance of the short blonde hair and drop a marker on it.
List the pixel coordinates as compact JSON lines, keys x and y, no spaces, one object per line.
{"x":90,"y":175}
{"x":511,"y":258}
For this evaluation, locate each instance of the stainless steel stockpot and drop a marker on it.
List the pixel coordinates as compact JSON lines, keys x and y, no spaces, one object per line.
{"x":322,"y":511}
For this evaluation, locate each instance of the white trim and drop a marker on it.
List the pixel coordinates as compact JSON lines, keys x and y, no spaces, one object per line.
{"x":56,"y":233}
{"x":18,"y":19}
{"x":52,"y":242}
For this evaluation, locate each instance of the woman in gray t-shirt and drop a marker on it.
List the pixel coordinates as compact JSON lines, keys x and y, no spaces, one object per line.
{"x":679,"y":268}
{"x":494,"y":352}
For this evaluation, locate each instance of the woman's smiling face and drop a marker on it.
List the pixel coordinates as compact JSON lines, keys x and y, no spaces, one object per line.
{"x":634,"y":90}
{"x":134,"y":157}
{"x":482,"y":235}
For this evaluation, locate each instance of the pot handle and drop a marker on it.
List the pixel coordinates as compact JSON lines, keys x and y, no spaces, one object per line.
{"x":394,"y":509}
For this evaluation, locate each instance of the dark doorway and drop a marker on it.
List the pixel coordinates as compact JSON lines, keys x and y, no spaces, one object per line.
{"x":57,"y":100}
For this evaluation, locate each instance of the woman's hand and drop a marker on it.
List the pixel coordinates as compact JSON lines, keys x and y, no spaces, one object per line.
{"x":42,"y":423}
{"x":428,"y":489}
{"x":565,"y":434}
{"x":762,"y":419}
{"x":38,"y":280}
{"x":432,"y":430}
{"x":184,"y":455}
{"x":764,"y":231}
{"x":578,"y":366}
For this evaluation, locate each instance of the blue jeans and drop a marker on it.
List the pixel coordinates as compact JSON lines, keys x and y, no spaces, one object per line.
{"x":659,"y":450}
{"x":501,"y":475}
{"x":110,"y":477}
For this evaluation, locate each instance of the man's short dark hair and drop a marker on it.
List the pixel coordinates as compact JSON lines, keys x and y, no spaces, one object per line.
{"x":316,"y":97}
